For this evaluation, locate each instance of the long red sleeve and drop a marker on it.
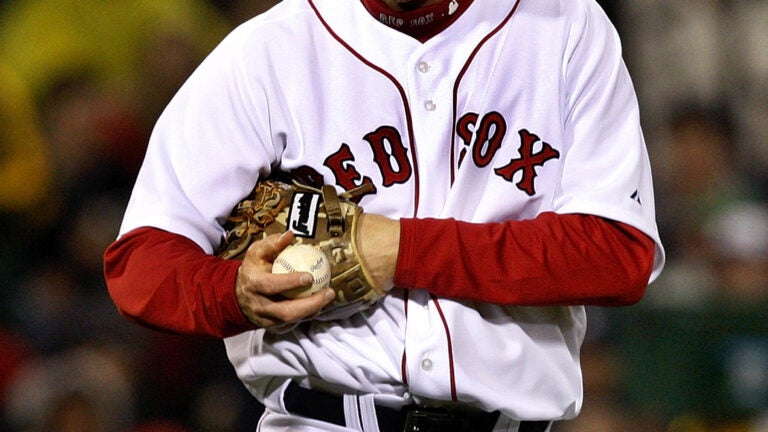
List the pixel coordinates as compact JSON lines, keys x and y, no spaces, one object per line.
{"x":551,"y":260}
{"x":165,"y":281}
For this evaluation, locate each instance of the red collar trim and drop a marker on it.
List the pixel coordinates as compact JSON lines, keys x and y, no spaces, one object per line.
{"x":423,"y":23}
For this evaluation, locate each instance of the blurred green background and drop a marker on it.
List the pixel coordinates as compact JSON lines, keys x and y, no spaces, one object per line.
{"x":82,"y":82}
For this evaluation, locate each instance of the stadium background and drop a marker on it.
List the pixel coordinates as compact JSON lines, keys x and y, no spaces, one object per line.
{"x":82,"y":81}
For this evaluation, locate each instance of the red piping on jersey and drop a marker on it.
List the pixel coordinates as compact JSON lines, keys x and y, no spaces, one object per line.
{"x":403,"y":362}
{"x":408,"y":118}
{"x":461,"y":75}
{"x":451,"y":366}
{"x":412,"y":144}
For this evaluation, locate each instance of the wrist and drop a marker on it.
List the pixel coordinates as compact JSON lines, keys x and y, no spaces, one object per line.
{"x":378,"y":245}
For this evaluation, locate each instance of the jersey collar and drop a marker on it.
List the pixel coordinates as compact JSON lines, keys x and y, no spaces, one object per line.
{"x":421,"y":24}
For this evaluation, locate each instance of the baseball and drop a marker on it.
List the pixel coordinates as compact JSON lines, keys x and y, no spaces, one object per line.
{"x":304,"y":258}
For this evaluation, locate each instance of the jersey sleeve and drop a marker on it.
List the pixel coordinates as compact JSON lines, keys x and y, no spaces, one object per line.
{"x":206,"y":151}
{"x":606,"y":169}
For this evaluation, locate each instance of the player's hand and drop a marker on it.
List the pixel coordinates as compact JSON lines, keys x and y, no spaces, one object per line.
{"x":378,"y":246}
{"x":258,"y":290}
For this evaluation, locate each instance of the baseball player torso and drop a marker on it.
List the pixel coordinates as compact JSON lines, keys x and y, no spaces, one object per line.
{"x":517,"y":108}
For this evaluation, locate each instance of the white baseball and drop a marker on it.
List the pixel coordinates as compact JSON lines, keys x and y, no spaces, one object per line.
{"x":304,"y":258}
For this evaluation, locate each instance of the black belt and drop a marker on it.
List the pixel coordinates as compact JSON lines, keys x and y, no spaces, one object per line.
{"x":330,"y":409}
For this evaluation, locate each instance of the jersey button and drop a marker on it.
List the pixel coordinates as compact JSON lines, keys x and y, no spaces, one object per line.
{"x":427,"y":364}
{"x":430,"y":105}
{"x":423,"y":67}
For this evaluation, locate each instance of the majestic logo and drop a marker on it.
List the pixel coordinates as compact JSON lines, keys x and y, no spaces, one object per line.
{"x":527,"y":162}
{"x":302,"y":217}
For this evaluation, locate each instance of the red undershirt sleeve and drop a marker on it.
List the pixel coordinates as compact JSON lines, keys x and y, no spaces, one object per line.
{"x":551,"y":260}
{"x":167,"y":282}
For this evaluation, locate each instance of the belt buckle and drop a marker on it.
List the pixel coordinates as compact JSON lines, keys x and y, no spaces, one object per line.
{"x":432,"y":420}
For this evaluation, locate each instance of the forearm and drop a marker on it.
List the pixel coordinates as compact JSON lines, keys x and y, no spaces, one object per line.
{"x":551,"y":260}
{"x":165,"y":281}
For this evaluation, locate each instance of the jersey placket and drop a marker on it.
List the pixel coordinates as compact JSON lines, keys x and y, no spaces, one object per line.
{"x":430,"y":95}
{"x":428,"y":359}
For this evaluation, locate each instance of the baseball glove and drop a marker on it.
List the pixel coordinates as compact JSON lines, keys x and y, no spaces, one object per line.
{"x":319,"y":217}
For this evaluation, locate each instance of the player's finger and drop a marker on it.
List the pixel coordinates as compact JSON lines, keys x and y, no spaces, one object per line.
{"x":301,"y":308}
{"x":267,"y":312}
{"x":273,"y":284}
{"x":268,"y":248}
{"x":255,"y":277}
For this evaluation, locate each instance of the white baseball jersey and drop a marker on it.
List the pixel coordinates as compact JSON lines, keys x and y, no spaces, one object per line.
{"x":517,"y":108}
